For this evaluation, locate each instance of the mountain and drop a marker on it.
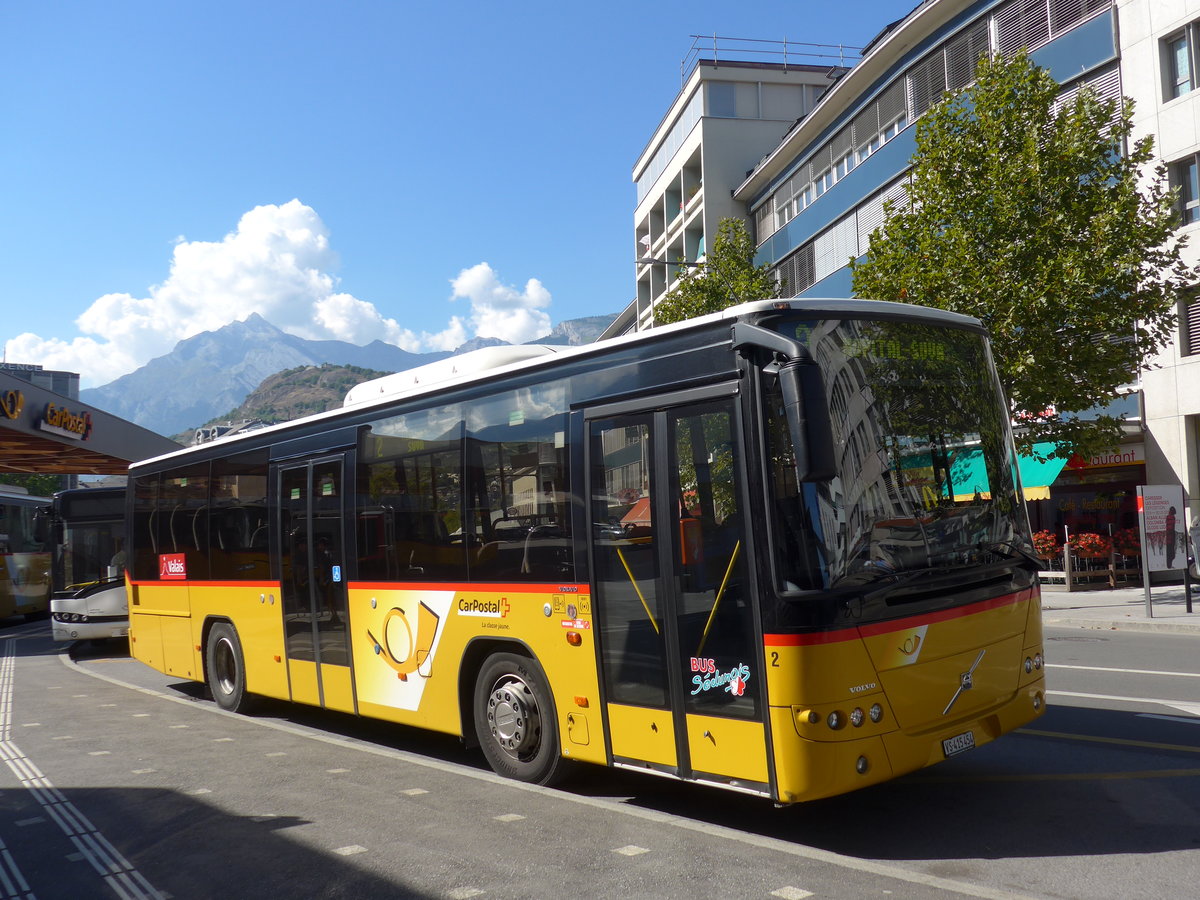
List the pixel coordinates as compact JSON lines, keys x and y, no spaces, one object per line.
{"x":289,"y":395}
{"x":209,"y":374}
{"x":577,"y":332}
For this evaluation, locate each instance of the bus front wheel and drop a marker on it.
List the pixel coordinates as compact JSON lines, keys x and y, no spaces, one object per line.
{"x":226,"y":668}
{"x":515,"y":721}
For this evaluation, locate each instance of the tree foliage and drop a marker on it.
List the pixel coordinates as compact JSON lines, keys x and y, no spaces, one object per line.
{"x":1028,"y":215}
{"x":38,"y":484}
{"x":727,"y":277}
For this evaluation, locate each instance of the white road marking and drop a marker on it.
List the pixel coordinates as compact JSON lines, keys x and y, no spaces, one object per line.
{"x":1182,"y":705}
{"x":631,"y":850}
{"x":1187,"y":721}
{"x":1123,"y":671}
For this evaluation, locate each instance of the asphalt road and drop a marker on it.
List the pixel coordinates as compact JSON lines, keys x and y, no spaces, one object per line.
{"x":120,"y":781}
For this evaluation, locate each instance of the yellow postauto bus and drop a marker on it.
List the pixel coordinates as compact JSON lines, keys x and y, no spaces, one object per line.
{"x":778,"y":549}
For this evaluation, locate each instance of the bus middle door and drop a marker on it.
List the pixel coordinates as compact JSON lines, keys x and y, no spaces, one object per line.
{"x":313,"y":581}
{"x":679,"y":658}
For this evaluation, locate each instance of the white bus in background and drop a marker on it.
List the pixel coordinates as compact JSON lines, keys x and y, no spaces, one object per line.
{"x":89,"y":600}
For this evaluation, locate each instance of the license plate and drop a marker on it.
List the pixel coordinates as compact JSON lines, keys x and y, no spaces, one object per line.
{"x":958,"y":743}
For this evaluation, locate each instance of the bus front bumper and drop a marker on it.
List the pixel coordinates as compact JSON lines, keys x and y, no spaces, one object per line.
{"x":807,"y":769}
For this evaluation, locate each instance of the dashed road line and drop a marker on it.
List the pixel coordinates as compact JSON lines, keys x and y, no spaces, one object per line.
{"x":116,"y":871}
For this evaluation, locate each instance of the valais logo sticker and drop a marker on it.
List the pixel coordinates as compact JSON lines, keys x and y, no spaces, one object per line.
{"x":172,"y":567}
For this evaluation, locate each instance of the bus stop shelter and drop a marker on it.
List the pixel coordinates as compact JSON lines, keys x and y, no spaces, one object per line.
{"x":41,"y":431}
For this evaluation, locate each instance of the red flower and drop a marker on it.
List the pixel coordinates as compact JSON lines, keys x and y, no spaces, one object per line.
{"x":1045,"y":543}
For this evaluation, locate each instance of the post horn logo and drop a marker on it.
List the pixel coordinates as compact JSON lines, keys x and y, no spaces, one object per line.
{"x":400,"y":648}
{"x":11,"y":403}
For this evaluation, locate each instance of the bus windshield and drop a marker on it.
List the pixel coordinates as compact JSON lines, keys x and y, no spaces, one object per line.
{"x":925,"y":482}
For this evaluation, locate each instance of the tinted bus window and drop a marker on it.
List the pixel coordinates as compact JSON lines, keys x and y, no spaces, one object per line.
{"x":237,"y":519}
{"x":410,"y":497}
{"x":518,"y":525}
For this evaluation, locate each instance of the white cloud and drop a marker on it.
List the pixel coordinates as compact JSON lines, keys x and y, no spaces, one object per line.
{"x":277,"y":263}
{"x":501,"y":311}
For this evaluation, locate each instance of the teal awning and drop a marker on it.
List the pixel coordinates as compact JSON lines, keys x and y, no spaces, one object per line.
{"x":968,"y":473}
{"x":1036,"y":477}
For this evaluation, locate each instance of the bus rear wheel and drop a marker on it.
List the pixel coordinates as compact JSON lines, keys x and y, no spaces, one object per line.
{"x":515,"y":720}
{"x":225,"y":669}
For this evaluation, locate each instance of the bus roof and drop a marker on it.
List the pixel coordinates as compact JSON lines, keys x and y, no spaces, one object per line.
{"x":491,"y":362}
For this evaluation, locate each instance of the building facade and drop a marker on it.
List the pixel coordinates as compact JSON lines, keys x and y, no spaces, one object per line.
{"x":737,"y":100}
{"x":815,"y":196}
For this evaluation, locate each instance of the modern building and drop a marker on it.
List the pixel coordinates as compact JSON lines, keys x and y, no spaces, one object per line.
{"x":64,"y":383}
{"x":815,"y":196}
{"x":737,"y":100}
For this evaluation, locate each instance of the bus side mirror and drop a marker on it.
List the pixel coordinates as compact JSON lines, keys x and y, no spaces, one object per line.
{"x":805,"y":404}
{"x":806,"y":409}
{"x":41,"y":526}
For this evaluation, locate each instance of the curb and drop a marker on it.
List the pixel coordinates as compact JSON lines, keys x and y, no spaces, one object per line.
{"x":1142,"y":625}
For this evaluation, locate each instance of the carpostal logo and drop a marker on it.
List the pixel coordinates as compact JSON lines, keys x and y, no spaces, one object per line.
{"x":172,"y":567}
{"x":488,"y":609}
{"x":61,"y":421}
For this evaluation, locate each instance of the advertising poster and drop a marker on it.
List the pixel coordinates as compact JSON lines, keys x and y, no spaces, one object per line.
{"x":1164,"y":525}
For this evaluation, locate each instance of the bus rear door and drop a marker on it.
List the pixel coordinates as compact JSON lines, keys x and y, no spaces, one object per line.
{"x":681,"y":666}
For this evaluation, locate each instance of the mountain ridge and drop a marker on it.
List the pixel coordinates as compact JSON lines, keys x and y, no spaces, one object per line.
{"x":207,"y":375}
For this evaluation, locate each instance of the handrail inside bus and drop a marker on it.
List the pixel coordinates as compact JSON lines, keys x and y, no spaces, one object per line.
{"x":637,"y":590}
{"x":720,"y":593}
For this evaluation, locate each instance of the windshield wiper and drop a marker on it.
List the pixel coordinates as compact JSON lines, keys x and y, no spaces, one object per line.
{"x":1009,"y":550}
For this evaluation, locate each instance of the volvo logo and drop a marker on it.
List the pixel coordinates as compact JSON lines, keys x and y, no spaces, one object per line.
{"x":965,"y":681}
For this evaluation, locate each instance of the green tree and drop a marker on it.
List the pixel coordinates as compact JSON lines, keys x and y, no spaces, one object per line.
{"x":1028,"y":215}
{"x":727,"y":277}
{"x":40,"y":485}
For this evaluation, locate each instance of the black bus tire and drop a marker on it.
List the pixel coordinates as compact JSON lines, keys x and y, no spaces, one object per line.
{"x":515,"y":720}
{"x":225,"y":669}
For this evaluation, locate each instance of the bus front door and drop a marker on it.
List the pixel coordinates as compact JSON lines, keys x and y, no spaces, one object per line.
{"x":680,"y":663}
{"x":312,"y":556}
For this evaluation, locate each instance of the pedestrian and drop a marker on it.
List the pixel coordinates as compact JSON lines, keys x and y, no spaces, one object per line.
{"x":1171,"y":540}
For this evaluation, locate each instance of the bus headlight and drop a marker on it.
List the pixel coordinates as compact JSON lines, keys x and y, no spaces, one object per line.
{"x":876,"y":713}
{"x":857,"y":717}
{"x":836,"y":720}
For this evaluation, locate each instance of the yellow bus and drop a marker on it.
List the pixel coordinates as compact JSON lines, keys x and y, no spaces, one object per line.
{"x":779,"y":549}
{"x":25,"y":552}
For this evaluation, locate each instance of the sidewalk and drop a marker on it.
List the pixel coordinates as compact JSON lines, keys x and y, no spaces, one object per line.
{"x":1123,"y":608}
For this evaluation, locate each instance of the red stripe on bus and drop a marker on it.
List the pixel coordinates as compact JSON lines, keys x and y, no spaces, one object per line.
{"x":274,"y":585}
{"x":874,"y":630}
{"x":462,"y":588}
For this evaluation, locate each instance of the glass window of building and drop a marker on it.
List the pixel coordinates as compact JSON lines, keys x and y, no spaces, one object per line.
{"x":1185,"y":176}
{"x":1179,"y":62}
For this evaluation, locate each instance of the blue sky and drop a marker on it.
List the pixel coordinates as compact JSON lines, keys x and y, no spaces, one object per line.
{"x":420,"y":173}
